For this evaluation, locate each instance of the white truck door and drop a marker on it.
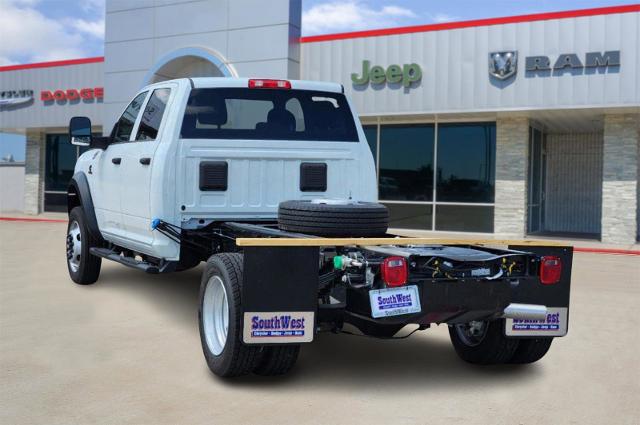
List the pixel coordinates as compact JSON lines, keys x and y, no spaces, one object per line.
{"x":109,"y":176}
{"x":139,"y":157}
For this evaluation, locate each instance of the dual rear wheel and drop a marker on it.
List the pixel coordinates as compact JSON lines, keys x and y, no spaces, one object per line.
{"x":485,"y":343}
{"x":220,"y":320}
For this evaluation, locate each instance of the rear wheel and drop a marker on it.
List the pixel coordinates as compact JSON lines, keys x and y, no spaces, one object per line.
{"x":277,"y":360}
{"x":480,"y":342}
{"x":83,"y":267}
{"x":531,"y":350}
{"x":220,"y":317}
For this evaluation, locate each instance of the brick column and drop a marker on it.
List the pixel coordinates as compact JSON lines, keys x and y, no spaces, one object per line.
{"x":512,"y":147}
{"x":34,"y":173}
{"x":620,"y":179}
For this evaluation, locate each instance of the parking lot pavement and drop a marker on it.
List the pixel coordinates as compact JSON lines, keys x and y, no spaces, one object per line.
{"x":126,"y":350}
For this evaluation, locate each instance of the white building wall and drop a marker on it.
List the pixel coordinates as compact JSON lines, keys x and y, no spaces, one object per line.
{"x":38,"y":113}
{"x":251,"y":37}
{"x":454,"y":64}
{"x":12,"y":187}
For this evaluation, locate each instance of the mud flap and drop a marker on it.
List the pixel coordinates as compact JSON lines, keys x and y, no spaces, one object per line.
{"x":279,"y":294}
{"x":555,"y":297}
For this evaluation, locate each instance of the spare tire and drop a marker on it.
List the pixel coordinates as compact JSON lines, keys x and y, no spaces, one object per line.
{"x":334,"y":218}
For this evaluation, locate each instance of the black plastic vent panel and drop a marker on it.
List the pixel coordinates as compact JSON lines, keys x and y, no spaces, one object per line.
{"x":313,"y":177}
{"x":213,"y":175}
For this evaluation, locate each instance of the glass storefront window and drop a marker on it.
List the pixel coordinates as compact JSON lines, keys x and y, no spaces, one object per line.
{"x":464,"y":218}
{"x":466,"y":162}
{"x":371,"y":133}
{"x":60,"y":161}
{"x":406,"y":162}
{"x":410,"y":216}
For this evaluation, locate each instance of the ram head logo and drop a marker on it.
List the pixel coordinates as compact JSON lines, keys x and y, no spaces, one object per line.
{"x":503,"y":65}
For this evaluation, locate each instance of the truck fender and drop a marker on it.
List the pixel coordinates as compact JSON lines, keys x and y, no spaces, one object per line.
{"x":78,"y":194}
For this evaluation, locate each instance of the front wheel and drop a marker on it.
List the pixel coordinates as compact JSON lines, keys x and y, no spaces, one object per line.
{"x":220,"y":318}
{"x":484,"y":343}
{"x":83,"y":267}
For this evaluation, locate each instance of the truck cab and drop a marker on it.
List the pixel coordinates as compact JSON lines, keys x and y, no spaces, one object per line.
{"x":193,"y":151}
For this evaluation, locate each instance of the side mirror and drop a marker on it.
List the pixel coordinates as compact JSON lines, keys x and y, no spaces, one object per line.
{"x":80,"y":131}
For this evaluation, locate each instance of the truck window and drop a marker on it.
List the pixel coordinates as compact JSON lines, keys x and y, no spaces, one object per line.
{"x":152,"y":115}
{"x":124,"y":126}
{"x":268,"y":114}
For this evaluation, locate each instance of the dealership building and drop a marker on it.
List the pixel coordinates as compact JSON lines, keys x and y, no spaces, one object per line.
{"x":514,"y":126}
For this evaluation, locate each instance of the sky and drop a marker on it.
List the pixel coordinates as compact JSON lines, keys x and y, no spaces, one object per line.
{"x":45,"y":30}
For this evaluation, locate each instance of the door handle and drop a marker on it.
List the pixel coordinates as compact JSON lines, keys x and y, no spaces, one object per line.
{"x":116,"y":161}
{"x":145,"y":161}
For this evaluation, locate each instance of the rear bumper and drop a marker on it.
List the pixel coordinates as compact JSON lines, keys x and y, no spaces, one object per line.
{"x":464,"y":300}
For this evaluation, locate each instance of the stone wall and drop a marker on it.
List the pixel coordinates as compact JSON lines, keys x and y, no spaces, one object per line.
{"x":620,"y":179}
{"x":512,"y":146}
{"x":34,"y":173}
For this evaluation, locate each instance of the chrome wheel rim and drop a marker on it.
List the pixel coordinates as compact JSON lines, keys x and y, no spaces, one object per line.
{"x":215,"y":315}
{"x":472,"y":333}
{"x":74,"y":246}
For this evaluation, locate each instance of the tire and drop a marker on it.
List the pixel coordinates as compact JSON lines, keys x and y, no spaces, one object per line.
{"x":333,"y":218}
{"x":230,"y":357}
{"x":83,"y":267}
{"x":277,"y":360}
{"x":491,"y":347}
{"x":531,"y":350}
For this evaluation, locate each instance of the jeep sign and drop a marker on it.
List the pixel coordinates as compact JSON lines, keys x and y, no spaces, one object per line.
{"x":405,"y":74}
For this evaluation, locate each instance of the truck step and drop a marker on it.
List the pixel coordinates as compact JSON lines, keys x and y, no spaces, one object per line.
{"x":110,"y":254}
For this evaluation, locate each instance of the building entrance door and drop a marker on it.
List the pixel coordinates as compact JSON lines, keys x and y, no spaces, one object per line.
{"x":537,"y":180}
{"x":60,"y":160}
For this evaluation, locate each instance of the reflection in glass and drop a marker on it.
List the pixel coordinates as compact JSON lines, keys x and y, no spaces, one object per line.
{"x":152,"y":115}
{"x":464,"y":218}
{"x":466,"y":162}
{"x":406,"y":162}
{"x":370,"y":132}
{"x":410,"y":216}
{"x":60,"y":161}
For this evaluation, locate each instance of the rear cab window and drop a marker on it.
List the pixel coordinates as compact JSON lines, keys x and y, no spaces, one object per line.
{"x":268,"y":114}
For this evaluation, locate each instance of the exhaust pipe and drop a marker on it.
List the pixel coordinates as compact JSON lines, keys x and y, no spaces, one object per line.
{"x":525,"y":311}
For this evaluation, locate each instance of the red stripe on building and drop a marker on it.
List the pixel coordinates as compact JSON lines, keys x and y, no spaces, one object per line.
{"x":474,"y":23}
{"x":607,"y":251}
{"x":52,"y":64}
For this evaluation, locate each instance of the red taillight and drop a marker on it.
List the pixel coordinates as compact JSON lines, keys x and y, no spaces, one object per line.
{"x":394,"y":271}
{"x":550,"y":270}
{"x":269,"y":84}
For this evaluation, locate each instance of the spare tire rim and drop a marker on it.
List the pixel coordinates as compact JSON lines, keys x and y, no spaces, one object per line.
{"x":335,"y":202}
{"x":472,"y":333}
{"x":74,"y":246}
{"x":215,"y":315}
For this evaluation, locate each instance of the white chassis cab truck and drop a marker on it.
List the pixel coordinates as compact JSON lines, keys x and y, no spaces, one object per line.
{"x":272,"y":184}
